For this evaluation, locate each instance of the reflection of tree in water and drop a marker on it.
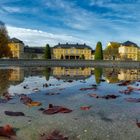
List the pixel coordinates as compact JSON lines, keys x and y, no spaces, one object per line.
{"x":4,"y":80}
{"x":47,"y":73}
{"x":111,"y":75}
{"x":98,"y":75}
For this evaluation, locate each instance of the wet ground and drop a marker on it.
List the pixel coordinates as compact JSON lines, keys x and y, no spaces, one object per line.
{"x":95,"y":115}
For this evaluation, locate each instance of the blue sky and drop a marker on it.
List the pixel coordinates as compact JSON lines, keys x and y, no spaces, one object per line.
{"x":38,"y":22}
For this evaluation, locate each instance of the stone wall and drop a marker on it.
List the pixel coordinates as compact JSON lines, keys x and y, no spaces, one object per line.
{"x":69,"y":63}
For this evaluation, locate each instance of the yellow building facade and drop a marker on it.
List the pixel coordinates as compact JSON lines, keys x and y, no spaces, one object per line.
{"x":17,"y":48}
{"x":72,"y":51}
{"x":129,"y":51}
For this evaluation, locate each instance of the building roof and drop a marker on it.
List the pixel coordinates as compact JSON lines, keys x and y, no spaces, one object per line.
{"x":77,"y":46}
{"x":39,"y":50}
{"x":15,"y":40}
{"x":129,"y":43}
{"x":114,"y":43}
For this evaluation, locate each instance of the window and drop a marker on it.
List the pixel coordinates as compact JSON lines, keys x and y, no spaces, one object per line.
{"x":72,"y":51}
{"x":66,"y":51}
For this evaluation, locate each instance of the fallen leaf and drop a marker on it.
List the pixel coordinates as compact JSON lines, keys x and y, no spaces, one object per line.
{"x":7,"y":131}
{"x":55,"y":135}
{"x":11,"y":113}
{"x":34,"y":103}
{"x":85,"y":107}
{"x":56,"y":109}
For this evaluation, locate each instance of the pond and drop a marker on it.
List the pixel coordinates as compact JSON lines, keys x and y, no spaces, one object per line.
{"x":62,"y":103}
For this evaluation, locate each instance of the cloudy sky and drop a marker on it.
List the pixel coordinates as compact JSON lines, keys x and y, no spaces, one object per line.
{"x":38,"y":22}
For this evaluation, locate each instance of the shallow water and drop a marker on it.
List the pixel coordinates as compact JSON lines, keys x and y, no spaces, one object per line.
{"x":107,"y":119}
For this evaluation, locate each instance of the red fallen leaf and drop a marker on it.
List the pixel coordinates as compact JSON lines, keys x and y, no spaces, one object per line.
{"x":92,"y":88}
{"x":56,"y":109}
{"x":85,"y":107}
{"x":55,"y":135}
{"x":28,"y":101}
{"x":137,"y":123}
{"x":8,"y":97}
{"x":64,"y":110}
{"x":7,"y":131}
{"x":51,"y":111}
{"x":133,"y":100}
{"x":25,"y":99}
{"x":125,"y":83}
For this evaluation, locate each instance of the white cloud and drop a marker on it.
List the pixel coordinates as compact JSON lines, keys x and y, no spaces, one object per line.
{"x":72,"y":16}
{"x":40,"y":38}
{"x":11,"y":9}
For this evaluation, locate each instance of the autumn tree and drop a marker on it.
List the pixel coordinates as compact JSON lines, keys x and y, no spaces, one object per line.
{"x":4,"y":38}
{"x":99,"y":51}
{"x":47,"y":53}
{"x":112,"y":51}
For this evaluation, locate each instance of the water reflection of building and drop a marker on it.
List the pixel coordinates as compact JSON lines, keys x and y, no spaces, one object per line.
{"x":116,"y":75}
{"x":16,"y":75}
{"x":71,"y":73}
{"x":129,"y":74}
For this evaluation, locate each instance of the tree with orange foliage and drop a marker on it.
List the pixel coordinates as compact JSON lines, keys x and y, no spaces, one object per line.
{"x":4,"y":38}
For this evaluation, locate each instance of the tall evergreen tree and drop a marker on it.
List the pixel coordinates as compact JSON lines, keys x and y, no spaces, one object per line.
{"x":4,"y":38}
{"x":99,"y":51}
{"x":47,"y":54}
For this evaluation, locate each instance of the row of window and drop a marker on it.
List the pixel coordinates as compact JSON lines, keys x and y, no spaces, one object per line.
{"x":72,"y":51}
{"x":131,"y":50}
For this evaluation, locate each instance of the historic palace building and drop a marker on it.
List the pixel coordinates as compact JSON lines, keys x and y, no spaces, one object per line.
{"x":129,"y":51}
{"x":72,"y":51}
{"x":17,"y":48}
